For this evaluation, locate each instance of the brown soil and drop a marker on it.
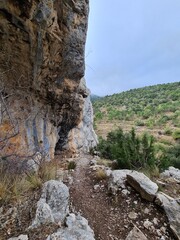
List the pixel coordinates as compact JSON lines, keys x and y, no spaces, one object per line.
{"x":107,"y":214}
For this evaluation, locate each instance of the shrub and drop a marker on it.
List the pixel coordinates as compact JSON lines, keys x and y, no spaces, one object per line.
{"x":170,"y":157}
{"x":168,"y":131}
{"x":129,"y":150}
{"x":176,"y":134}
{"x":139,"y":123}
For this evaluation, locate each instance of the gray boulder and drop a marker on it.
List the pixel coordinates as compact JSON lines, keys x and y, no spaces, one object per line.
{"x":136,"y":234}
{"x":77,"y":229}
{"x":171,"y":172}
{"x":117,"y":180}
{"x":53,"y":204}
{"x":172,"y":210}
{"x":143,"y":185}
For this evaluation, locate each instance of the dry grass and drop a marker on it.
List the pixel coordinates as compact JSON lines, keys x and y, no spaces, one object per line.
{"x":151,"y":173}
{"x":100,"y":174}
{"x":14,"y":186}
{"x":104,"y":162}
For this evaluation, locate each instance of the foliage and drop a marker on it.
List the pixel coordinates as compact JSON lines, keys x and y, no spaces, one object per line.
{"x":154,"y":106}
{"x":130,"y":151}
{"x":176,"y":134}
{"x":170,"y":157}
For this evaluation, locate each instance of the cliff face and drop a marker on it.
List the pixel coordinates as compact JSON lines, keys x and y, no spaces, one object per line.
{"x":41,"y":66}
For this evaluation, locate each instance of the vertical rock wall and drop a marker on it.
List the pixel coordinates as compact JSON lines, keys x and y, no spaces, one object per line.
{"x":41,"y":65}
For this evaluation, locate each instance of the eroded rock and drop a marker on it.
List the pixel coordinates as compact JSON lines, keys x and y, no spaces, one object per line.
{"x":20,"y":237}
{"x":77,"y":229}
{"x":117,"y":180}
{"x":171,"y":172}
{"x":172,"y":210}
{"x":41,"y":67}
{"x":143,"y":185}
{"x":53,"y":204}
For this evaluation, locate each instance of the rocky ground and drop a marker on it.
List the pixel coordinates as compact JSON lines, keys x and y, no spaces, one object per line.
{"x":111,"y":216}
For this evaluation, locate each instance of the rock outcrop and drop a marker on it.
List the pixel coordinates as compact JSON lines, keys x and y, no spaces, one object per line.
{"x":171,"y":172}
{"x":53,"y":206}
{"x":77,"y":229}
{"x":117,"y":180}
{"x":20,"y":237}
{"x":41,"y":66}
{"x":172,"y":210}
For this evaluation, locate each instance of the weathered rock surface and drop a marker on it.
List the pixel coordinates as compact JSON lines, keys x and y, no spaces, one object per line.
{"x":53,"y":204}
{"x":136,"y":234}
{"x":20,"y":237}
{"x":117,"y":179}
{"x":41,"y":65}
{"x":171,"y":172}
{"x":77,"y":229}
{"x":143,"y":185}
{"x":83,"y":136}
{"x":172,"y":210}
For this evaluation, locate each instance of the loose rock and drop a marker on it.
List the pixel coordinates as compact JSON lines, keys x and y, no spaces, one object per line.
{"x":136,"y":234}
{"x":143,"y":185}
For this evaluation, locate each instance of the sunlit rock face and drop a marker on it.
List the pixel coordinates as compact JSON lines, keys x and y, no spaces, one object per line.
{"x":41,"y":66}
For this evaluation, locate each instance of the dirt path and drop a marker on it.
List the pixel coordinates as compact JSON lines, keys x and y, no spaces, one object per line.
{"x":112,"y":218}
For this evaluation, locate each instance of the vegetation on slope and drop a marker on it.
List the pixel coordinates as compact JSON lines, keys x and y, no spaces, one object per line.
{"x":154,"y":107}
{"x":154,"y":110}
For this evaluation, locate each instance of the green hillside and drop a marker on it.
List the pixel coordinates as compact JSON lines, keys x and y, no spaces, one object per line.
{"x":155,"y":109}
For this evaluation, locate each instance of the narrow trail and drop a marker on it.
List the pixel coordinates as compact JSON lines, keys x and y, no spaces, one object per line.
{"x":109,"y":216}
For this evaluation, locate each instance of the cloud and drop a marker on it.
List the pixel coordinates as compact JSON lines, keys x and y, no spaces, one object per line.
{"x":132,"y":44}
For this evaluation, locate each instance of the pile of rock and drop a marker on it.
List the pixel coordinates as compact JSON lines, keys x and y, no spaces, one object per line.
{"x":53,"y":207}
{"x":148,"y":191}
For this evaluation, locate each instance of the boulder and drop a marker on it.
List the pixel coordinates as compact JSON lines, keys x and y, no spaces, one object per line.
{"x":143,"y":185}
{"x":117,"y":180}
{"x":172,"y":210}
{"x":77,"y":229}
{"x":53,"y":204}
{"x":136,"y":234}
{"x":171,"y":172}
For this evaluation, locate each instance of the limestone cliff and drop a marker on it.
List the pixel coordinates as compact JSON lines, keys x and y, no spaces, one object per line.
{"x":41,"y":66}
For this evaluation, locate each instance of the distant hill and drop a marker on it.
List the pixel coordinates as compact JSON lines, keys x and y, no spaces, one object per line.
{"x":155,"y":109}
{"x":94,"y":97}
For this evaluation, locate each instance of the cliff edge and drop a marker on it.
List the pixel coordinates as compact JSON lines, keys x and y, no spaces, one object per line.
{"x":43,"y":94}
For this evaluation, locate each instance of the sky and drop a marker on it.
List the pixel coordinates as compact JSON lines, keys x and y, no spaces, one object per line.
{"x":131,"y":44}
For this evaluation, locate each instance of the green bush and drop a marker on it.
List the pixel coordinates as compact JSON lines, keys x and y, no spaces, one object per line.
{"x":171,"y":157}
{"x":168,"y":132}
{"x":129,"y":150}
{"x":139,"y":123}
{"x":176,"y":134}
